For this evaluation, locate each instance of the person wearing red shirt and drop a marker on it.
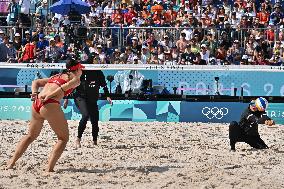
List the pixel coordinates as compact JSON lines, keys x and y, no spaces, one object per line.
{"x":129,"y":15}
{"x":170,"y":15}
{"x":117,"y":17}
{"x":157,"y":8}
{"x":270,"y":34}
{"x":263,"y":16}
{"x":260,"y":60}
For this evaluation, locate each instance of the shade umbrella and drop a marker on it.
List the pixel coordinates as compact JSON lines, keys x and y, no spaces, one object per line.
{"x":64,"y":7}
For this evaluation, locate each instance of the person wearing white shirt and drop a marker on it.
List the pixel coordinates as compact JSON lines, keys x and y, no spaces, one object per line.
{"x":145,"y":55}
{"x":188,"y":32}
{"x":204,"y":53}
{"x":25,"y":6}
{"x":108,"y":10}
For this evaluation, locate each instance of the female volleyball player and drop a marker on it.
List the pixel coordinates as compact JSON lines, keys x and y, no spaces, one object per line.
{"x":46,"y":106}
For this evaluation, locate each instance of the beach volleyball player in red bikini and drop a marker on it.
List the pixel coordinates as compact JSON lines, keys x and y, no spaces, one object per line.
{"x":46,"y":106}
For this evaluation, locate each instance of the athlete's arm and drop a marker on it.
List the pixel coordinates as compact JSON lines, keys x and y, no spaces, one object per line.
{"x":36,"y":84}
{"x":73,"y":83}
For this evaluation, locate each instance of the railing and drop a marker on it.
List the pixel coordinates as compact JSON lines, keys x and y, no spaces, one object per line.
{"x":118,"y":37}
{"x":53,"y":66}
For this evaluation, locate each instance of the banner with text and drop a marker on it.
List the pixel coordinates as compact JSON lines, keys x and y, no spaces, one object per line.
{"x":191,"y":82}
{"x":147,"y":111}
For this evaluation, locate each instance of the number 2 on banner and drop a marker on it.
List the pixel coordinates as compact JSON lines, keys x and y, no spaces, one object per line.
{"x":268,"y":88}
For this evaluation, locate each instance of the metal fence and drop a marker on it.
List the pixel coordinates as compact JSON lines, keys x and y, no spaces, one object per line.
{"x":119,"y":37}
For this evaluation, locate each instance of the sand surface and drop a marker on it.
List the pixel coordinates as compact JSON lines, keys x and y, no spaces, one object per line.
{"x":145,"y":155}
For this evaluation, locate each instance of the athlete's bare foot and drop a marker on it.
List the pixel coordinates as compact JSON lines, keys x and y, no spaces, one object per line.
{"x":10,"y":166}
{"x":49,"y":170}
{"x":78,"y":143}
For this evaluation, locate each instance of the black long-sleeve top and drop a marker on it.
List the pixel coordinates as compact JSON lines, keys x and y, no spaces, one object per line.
{"x":91,"y":81}
{"x":250,"y":119}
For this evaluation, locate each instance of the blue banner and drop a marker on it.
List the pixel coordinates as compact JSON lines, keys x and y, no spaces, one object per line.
{"x":194,"y":82}
{"x":147,"y":111}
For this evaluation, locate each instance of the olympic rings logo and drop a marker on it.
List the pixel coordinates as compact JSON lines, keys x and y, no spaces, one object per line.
{"x":215,"y":112}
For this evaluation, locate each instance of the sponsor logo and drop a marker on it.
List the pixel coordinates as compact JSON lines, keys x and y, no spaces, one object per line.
{"x":215,"y":112}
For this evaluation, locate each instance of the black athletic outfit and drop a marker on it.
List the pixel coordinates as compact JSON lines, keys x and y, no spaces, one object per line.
{"x":247,"y":129}
{"x":86,"y":96}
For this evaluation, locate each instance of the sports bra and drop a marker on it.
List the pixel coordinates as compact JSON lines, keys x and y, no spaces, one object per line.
{"x":59,"y":81}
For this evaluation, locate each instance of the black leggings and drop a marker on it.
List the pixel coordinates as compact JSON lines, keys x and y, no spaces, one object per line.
{"x":89,"y":110}
{"x":236,"y":134}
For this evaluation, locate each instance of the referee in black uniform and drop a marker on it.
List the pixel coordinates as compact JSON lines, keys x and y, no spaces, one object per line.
{"x":86,"y":96}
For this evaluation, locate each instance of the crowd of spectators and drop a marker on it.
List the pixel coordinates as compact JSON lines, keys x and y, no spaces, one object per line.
{"x":247,"y":32}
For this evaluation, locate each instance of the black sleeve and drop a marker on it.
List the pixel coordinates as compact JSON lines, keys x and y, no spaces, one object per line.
{"x":103,"y":83}
{"x":264,"y":117}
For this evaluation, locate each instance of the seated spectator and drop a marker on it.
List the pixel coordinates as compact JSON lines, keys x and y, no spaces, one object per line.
{"x":157,"y":8}
{"x":29,"y":53}
{"x":263,"y":16}
{"x":18,"y":43}
{"x":136,"y":46}
{"x":260,"y":60}
{"x":277,"y":49}
{"x":154,"y":58}
{"x":151,"y":42}
{"x":115,"y":57}
{"x":117,"y":17}
{"x":249,"y":49}
{"x":205,"y":53}
{"x":168,"y":58}
{"x":108,"y":10}
{"x":198,"y":60}
{"x":275,"y":61}
{"x":276,"y":16}
{"x":182,"y":42}
{"x":2,"y":35}
{"x":221,"y":54}
{"x":53,"y":53}
{"x":175,"y":54}
{"x":145,"y":55}
{"x":12,"y":53}
{"x":161,"y":55}
{"x":235,"y":53}
{"x":4,"y":49}
{"x":187,"y":57}
{"x":129,"y":15}
{"x":27,"y":38}
{"x":195,"y":48}
{"x":101,"y":55}
{"x":58,"y":41}
{"x":41,"y":47}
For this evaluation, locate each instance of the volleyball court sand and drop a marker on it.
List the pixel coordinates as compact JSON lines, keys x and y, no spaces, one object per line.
{"x":146,"y":155}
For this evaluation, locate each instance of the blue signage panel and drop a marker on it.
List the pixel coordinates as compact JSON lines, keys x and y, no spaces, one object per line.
{"x":215,"y":112}
{"x":194,"y":82}
{"x":147,"y":111}
{"x":276,"y":112}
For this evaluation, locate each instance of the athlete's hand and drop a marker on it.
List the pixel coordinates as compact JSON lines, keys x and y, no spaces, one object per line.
{"x":109,"y":100}
{"x":269,"y":122}
{"x":34,"y":96}
{"x":44,"y":98}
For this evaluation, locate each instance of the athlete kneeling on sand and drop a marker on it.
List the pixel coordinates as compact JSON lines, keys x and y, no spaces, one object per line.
{"x":247,"y":128}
